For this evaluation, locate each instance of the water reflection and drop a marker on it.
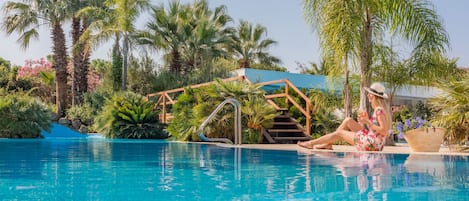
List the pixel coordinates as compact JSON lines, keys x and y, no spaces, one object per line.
{"x":428,"y":164}
{"x":359,"y":170}
{"x":375,"y":175}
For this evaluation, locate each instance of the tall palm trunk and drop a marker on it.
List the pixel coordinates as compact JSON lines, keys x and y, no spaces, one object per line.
{"x":175,"y":65}
{"x":365,"y":59}
{"x":85,"y":63}
{"x":77,"y":61}
{"x":60,"y":65}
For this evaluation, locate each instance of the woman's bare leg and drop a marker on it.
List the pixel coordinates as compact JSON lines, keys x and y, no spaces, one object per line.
{"x":323,"y":146}
{"x":329,"y":139}
{"x":348,"y":124}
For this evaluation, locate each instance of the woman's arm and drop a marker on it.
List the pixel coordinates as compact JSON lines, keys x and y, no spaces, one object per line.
{"x":382,"y":128}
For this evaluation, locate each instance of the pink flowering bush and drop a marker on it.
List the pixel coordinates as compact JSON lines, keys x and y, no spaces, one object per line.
{"x":32,"y":68}
{"x":94,"y":81}
{"x":41,"y":74}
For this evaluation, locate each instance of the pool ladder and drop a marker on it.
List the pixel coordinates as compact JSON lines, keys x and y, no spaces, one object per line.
{"x":237,"y":123}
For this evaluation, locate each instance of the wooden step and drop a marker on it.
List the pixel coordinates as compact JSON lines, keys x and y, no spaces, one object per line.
{"x":283,"y":111}
{"x":291,"y":138}
{"x":285,"y":123}
{"x":285,"y":130}
{"x":283,"y":116}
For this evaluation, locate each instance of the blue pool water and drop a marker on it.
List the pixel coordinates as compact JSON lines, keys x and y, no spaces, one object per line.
{"x":101,"y":169}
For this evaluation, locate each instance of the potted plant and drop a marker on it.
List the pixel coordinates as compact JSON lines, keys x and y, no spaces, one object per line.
{"x":420,"y":134}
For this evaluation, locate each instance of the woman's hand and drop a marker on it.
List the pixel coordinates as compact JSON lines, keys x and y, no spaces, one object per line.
{"x":362,"y":115}
{"x":365,"y":121}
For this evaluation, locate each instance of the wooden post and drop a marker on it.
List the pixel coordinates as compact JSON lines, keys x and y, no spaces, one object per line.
{"x":308,"y":119}
{"x":286,"y":93}
{"x":164,"y":108}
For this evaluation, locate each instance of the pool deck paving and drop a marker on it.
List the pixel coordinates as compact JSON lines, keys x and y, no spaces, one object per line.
{"x":400,"y":148}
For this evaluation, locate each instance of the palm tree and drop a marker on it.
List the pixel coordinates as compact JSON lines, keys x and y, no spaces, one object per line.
{"x":80,"y":53}
{"x":168,"y":30}
{"x":356,"y":24}
{"x":452,"y":111}
{"x":189,"y":34}
{"x":115,"y":21}
{"x":25,"y":17}
{"x":209,"y":35}
{"x":80,"y":68}
{"x":315,"y":69}
{"x":249,"y":45}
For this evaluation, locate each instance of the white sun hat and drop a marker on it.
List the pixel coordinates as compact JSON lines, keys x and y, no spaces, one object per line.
{"x":377,"y":89}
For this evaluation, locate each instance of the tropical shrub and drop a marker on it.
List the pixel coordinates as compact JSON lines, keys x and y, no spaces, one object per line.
{"x":451,"y":110}
{"x":93,"y":102}
{"x":82,"y":112}
{"x":96,"y":99}
{"x":22,"y":116}
{"x":129,"y":115}
{"x":184,"y":125}
{"x":257,"y":114}
{"x":4,"y":76}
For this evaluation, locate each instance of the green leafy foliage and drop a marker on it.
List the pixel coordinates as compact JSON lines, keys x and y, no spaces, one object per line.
{"x":22,"y":116}
{"x":97,"y":99}
{"x":142,"y":75}
{"x":258,"y":113}
{"x":4,"y":76}
{"x":422,"y":110}
{"x":452,"y":108}
{"x":82,"y":112}
{"x":183,"y":109}
{"x":129,"y":115}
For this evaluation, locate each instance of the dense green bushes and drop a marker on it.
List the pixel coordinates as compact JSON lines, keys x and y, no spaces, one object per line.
{"x":129,"y":115}
{"x":22,"y":116}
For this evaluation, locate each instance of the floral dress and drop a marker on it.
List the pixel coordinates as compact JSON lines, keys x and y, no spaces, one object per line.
{"x":368,"y":140}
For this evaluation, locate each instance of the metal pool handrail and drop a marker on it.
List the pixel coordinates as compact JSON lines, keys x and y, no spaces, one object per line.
{"x":237,"y":122}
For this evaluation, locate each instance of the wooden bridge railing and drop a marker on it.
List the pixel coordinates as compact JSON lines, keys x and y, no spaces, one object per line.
{"x":165,"y":98}
{"x":306,"y":110}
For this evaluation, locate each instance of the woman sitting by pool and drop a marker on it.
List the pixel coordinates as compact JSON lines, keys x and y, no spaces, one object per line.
{"x":368,"y":134}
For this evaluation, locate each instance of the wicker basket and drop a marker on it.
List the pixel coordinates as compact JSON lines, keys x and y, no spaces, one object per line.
{"x":425,"y":139}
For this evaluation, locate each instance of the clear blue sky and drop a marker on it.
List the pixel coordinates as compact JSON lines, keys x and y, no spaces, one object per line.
{"x":285,"y":24}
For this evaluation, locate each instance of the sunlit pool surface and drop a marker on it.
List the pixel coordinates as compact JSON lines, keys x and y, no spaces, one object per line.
{"x":100,"y":169}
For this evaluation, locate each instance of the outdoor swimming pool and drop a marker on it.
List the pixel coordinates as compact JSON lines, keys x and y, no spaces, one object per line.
{"x":101,"y":169}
